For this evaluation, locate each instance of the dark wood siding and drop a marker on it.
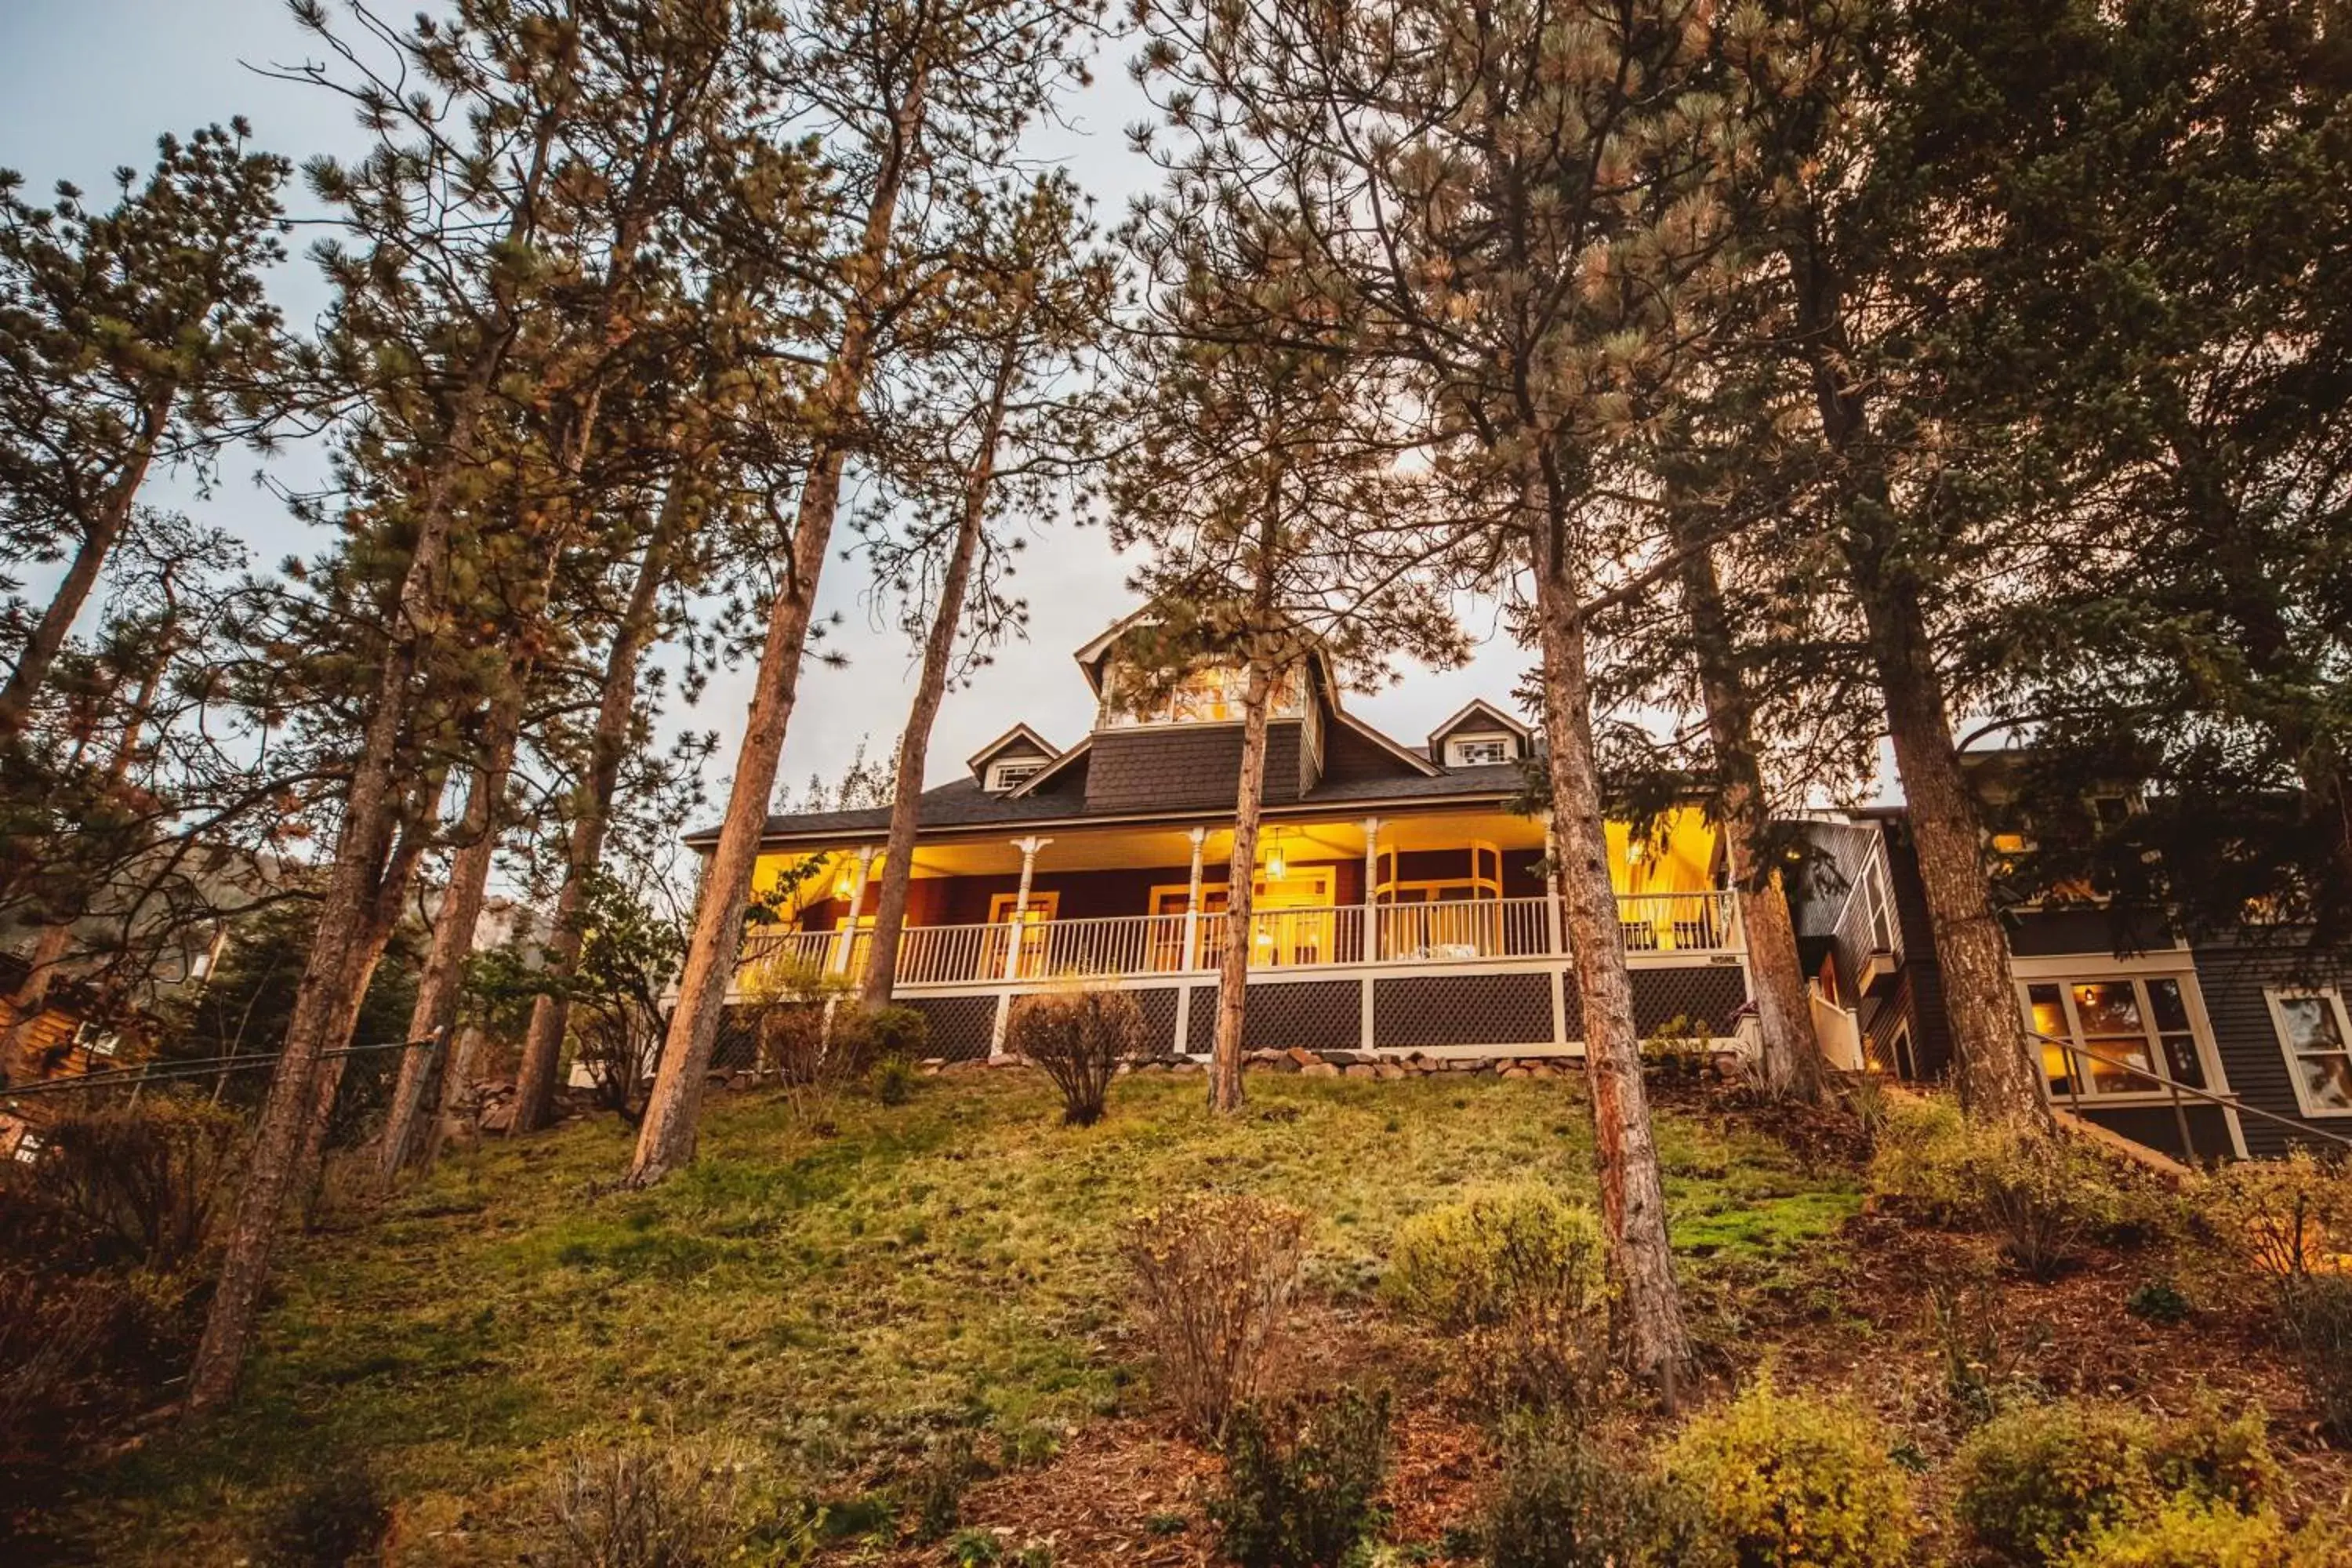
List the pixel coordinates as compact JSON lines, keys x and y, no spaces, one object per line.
{"x":2232,"y":977}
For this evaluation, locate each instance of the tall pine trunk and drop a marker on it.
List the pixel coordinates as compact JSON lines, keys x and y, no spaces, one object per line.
{"x":114,"y":515}
{"x":375,"y":851}
{"x":1240,"y":896}
{"x":1792,"y":1056}
{"x":1997,"y":1074}
{"x":435,"y":1015}
{"x":666,"y":1139}
{"x":1656,"y":1343}
{"x":915,"y":743}
{"x":592,"y":814}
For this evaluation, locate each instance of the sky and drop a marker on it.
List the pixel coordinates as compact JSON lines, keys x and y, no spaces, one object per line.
{"x":86,"y":86}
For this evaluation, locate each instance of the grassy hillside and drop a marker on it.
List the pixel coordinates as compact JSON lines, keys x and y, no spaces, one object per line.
{"x":822,"y":1303}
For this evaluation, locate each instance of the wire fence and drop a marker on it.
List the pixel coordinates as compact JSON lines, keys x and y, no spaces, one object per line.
{"x":138,"y":1077}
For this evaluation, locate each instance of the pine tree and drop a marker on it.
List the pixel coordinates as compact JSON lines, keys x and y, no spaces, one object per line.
{"x":1257,"y":473}
{"x":1008,"y":341}
{"x":913,"y":107}
{"x":127,"y":335}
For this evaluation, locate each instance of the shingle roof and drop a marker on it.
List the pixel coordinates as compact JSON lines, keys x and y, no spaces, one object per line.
{"x":962,"y":803}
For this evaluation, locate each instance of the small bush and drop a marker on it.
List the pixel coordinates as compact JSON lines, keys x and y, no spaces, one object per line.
{"x":2032,"y":1482}
{"x":148,"y":1178}
{"x":1299,"y":1486}
{"x":2277,"y":1217}
{"x":1785,"y":1481}
{"x":641,"y":1506}
{"x":2157,"y":1301}
{"x":1979,"y":1369}
{"x":1213,"y":1279}
{"x":1520,"y":1276}
{"x":2186,"y":1532}
{"x":1564,"y":1502}
{"x":2316,"y":1318}
{"x":937,"y":1495}
{"x":1078,"y":1038}
{"x":2044,"y":1196}
{"x":337,"y":1519}
{"x":892,"y":1080}
{"x":2035,"y":1483}
{"x":78,"y":1354}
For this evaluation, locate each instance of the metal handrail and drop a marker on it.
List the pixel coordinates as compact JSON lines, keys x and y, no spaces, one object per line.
{"x":2175,"y":1089}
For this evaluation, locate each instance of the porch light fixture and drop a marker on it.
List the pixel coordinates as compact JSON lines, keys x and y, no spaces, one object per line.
{"x":841,"y":884}
{"x":1277,"y":865}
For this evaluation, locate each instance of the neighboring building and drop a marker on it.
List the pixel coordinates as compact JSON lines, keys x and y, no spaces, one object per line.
{"x":2141,"y":1030}
{"x":1400,"y":902}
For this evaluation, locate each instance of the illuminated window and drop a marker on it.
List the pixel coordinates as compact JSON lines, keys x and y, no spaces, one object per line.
{"x":1477,"y":751}
{"x":1003,"y":777}
{"x":2118,"y":1035}
{"x":1213,"y":694}
{"x":2317,"y":1038}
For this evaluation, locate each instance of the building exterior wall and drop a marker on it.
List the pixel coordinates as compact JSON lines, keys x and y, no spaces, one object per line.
{"x":2233,"y":974}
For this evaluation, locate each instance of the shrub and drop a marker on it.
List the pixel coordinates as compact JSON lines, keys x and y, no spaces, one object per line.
{"x":1299,"y":1487}
{"x":1781,"y":1480}
{"x":1213,"y":1277}
{"x":2186,"y":1532}
{"x":892,"y":1080}
{"x":1520,"y":1276}
{"x":891,"y":1030}
{"x":1563,"y":1502}
{"x":949,"y":1466}
{"x":1979,"y":1369}
{"x":2033,"y":1481}
{"x":2316,"y":1316}
{"x":2277,"y":1216}
{"x":2215,"y":1457}
{"x":1078,"y":1038}
{"x":148,"y":1178}
{"x":640,"y":1505}
{"x":2043,"y":1196}
{"x":338,"y":1518}
{"x":2157,"y":1301}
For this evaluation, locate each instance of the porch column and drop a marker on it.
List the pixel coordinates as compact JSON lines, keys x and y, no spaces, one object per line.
{"x":1028,"y":848}
{"x":1372,"y":944}
{"x":1199,"y":836}
{"x":1554,"y":940}
{"x":848,"y":937}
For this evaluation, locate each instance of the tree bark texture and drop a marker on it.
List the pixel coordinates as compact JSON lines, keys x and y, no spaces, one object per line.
{"x":666,"y":1139}
{"x":1791,"y":1055}
{"x":1997,"y":1074}
{"x":915,"y":742}
{"x":1653,"y":1339}
{"x":435,"y":1015}
{"x":1241,"y":897}
{"x":592,"y":814}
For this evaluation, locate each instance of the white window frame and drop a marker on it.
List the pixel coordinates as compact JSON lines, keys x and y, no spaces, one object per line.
{"x":29,"y":1144}
{"x":2334,"y":999}
{"x":1006,"y":776}
{"x":1458,"y":748}
{"x":96,"y":1038}
{"x":2075,"y":971}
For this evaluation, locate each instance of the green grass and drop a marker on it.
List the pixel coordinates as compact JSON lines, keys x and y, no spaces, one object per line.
{"x":832,"y":1302}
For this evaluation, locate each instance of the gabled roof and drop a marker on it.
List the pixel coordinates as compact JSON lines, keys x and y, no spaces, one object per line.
{"x":1030,"y":785}
{"x":1477,"y":708}
{"x":1423,"y":766}
{"x":1017,"y":735}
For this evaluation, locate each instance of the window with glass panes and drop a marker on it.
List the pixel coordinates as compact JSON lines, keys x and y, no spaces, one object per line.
{"x":2125,"y":1034}
{"x":2317,"y":1035}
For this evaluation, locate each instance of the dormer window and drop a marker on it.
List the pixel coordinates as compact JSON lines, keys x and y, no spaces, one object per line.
{"x":1212,"y":694}
{"x":1005,"y":777}
{"x":1480,"y":750}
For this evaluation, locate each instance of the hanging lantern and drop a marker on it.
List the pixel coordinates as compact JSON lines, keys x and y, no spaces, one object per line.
{"x":1277,"y":865}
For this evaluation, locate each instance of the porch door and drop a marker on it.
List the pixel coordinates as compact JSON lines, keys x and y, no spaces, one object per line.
{"x":1292,"y":920}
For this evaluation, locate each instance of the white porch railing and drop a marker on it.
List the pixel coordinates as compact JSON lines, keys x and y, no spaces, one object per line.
{"x":1476,"y":930}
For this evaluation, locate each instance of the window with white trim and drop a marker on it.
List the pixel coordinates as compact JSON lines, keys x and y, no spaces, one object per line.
{"x":96,"y":1039}
{"x":30,"y":1145}
{"x":2317,"y":1035}
{"x":2114,"y":1034}
{"x":1003,"y":777}
{"x":1478,"y":751}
